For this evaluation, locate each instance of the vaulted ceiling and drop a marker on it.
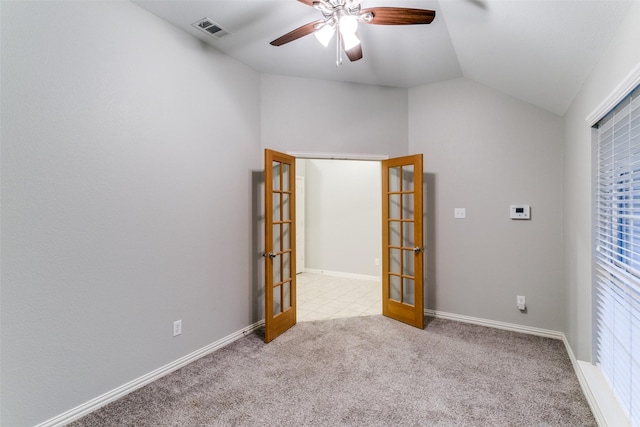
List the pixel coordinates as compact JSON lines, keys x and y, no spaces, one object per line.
{"x":537,"y":51}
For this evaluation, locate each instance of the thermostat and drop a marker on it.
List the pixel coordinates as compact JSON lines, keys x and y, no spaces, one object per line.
{"x":520,"y":212}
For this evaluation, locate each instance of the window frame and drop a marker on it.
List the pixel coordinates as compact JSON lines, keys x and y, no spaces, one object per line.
{"x":616,"y":250}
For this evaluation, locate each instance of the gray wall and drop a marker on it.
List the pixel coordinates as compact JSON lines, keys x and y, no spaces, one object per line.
{"x":343,"y":216}
{"x":484,"y":151}
{"x":622,"y":55}
{"x":127,"y":156}
{"x":306,"y":115}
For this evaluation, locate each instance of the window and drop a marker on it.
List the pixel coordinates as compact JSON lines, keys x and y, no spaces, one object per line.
{"x":616,"y":222}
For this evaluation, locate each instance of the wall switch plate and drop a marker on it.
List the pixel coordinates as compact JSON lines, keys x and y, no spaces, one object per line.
{"x":377,"y":261}
{"x":520,"y":301}
{"x":459,"y":213}
{"x":177,"y":328}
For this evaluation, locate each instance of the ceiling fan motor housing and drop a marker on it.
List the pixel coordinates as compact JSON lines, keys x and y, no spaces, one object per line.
{"x":331,"y":8}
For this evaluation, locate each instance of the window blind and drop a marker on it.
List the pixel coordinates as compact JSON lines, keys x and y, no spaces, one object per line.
{"x":616,"y":223}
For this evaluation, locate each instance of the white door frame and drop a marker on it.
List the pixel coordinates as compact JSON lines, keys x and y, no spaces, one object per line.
{"x":300,"y":224}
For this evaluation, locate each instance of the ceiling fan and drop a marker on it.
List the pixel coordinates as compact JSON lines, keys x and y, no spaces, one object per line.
{"x":341,"y":17}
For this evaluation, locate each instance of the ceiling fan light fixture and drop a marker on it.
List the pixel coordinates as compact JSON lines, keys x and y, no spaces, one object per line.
{"x":348,"y":24}
{"x":324,"y":34}
{"x":350,"y":41}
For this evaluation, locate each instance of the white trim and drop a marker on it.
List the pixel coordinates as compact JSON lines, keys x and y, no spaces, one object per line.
{"x":585,"y":385}
{"x":117,"y":393}
{"x":340,"y":274}
{"x":496,"y":324}
{"x":337,"y":156}
{"x":623,"y":89}
{"x":604,"y":406}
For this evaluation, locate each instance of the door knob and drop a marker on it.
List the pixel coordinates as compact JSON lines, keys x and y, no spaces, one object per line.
{"x":417,"y":249}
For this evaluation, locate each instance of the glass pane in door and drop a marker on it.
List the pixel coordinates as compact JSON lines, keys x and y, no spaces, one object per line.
{"x":394,"y":287}
{"x":276,"y":300}
{"x":286,"y":215}
{"x":394,"y":206}
{"x":408,"y":262}
{"x":286,"y":266}
{"x":285,"y":177}
{"x":276,"y":176}
{"x":394,"y":233}
{"x":277,"y":239}
{"x":286,"y":237}
{"x":277,"y":270}
{"x":276,"y":207}
{"x":407,"y":178}
{"x":408,"y":295}
{"x":407,"y":234}
{"x":407,"y":206}
{"x":394,"y":179}
{"x":286,"y":295}
{"x":394,"y":261}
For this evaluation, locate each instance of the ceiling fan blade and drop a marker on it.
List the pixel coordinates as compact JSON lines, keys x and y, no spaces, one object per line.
{"x":398,"y":16}
{"x":297,"y":33}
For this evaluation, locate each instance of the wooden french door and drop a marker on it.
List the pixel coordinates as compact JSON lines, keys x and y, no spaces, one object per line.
{"x":402,"y":240}
{"x":280,"y":244}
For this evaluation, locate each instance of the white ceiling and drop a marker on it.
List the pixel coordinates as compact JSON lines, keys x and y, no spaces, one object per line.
{"x":538,"y":51}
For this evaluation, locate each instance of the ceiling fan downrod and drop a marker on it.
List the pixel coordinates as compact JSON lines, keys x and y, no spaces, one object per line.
{"x":334,"y":11}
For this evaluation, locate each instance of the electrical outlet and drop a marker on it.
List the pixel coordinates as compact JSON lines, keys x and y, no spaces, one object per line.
{"x":377,"y":261}
{"x":177,"y":328}
{"x":520,"y":301}
{"x":460,"y":213}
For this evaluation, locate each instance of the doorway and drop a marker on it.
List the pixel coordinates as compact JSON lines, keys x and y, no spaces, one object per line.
{"x":402,"y":237}
{"x":338,"y":226}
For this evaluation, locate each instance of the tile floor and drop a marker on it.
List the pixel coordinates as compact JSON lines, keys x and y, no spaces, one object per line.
{"x":321,"y":297}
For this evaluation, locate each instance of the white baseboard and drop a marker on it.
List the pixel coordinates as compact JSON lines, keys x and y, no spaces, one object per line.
{"x":604,"y":406}
{"x":584,"y":384}
{"x":496,"y":324}
{"x":123,"y":390}
{"x":340,"y":274}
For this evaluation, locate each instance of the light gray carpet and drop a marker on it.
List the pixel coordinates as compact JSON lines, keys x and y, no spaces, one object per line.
{"x":366,"y":371}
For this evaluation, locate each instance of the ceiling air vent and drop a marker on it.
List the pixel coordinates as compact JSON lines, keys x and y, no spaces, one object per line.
{"x":210,"y":27}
